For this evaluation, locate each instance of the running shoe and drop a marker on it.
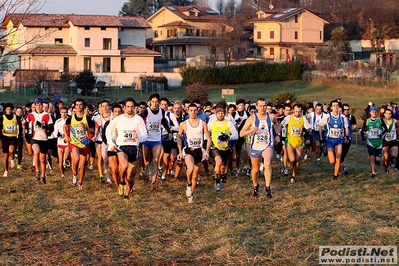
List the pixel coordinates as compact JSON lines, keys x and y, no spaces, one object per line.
{"x":373,"y":175}
{"x":285,"y":172}
{"x":269,"y":192}
{"x":38,"y":176}
{"x":386,"y":171}
{"x":346,"y":170}
{"x":292,"y":180}
{"x":223,"y":178}
{"x":19,"y":167}
{"x":120,"y":190}
{"x":163,"y":179}
{"x":218,"y":187}
{"x":74,"y":180}
{"x":126,"y":199}
{"x":160,"y":170}
{"x":305,"y":157}
{"x":189,"y":191}
{"x":109,"y":184}
{"x":43,"y":180}
{"x":335,"y":178}
{"x":191,"y":199}
{"x":172,"y":172}
{"x":12,"y":163}
{"x":198,"y":179}
{"x":238,"y":172}
{"x":62,"y":176}
{"x":5,"y":174}
{"x":255,"y":193}
{"x":102,"y":180}
{"x":91,"y":167}
{"x":278,"y":156}
{"x":80,"y":185}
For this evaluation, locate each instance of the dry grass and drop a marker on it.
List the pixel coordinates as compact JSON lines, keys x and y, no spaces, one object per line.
{"x":57,"y":224}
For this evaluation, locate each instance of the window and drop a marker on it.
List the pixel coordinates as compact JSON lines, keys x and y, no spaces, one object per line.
{"x":197,"y":33}
{"x":213,"y":33}
{"x":58,"y":41}
{"x":272,"y":34}
{"x":321,"y":35}
{"x":103,"y":28}
{"x":271,"y":50}
{"x":107,"y":44}
{"x":205,"y":33}
{"x":296,"y":18}
{"x":296,"y":35}
{"x":87,"y":63}
{"x":46,"y":28}
{"x":259,"y":34}
{"x":171,"y":33}
{"x":119,"y":42}
{"x":59,"y":28}
{"x":123,"y":62}
{"x":87,"y":28}
{"x":192,"y":13}
{"x":156,"y":34}
{"x":106,"y":64}
{"x":87,"y":42}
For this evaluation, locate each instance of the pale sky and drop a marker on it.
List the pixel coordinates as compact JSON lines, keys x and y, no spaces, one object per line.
{"x":97,"y":7}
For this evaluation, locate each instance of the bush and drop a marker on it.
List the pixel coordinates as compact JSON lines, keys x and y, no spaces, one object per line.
{"x":260,"y":72}
{"x":85,"y":80}
{"x":285,"y":95}
{"x":197,"y":91}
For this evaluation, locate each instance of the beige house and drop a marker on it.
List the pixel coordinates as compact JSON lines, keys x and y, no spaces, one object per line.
{"x":107,"y":45}
{"x":185,"y":31}
{"x":278,"y":31}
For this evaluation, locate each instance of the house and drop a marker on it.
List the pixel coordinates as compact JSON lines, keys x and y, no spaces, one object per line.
{"x":186,"y":31}
{"x":110,"y":46}
{"x":278,"y":31}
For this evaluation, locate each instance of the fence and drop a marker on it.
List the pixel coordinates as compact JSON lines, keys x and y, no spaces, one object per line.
{"x":150,"y":87}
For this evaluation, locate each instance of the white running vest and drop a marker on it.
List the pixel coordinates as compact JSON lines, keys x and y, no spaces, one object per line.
{"x":154,"y":125}
{"x":194,"y":135}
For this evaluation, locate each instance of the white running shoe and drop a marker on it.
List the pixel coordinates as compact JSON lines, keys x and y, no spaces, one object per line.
{"x":191,"y":199}
{"x":74,"y":180}
{"x":5,"y":174}
{"x":278,"y":156}
{"x":189,"y":191}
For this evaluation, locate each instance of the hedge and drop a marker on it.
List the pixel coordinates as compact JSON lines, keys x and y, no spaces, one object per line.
{"x":260,"y":72}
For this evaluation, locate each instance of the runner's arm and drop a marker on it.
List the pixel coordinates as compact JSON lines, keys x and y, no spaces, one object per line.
{"x":245,"y":131}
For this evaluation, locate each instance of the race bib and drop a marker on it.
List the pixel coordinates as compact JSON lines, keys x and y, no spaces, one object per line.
{"x":390,"y":136}
{"x":195,"y":143}
{"x":262,"y":137}
{"x":373,"y":133}
{"x":154,"y":126}
{"x":284,"y":132}
{"x":128,"y":136}
{"x":10,"y":128}
{"x":334,"y":133}
{"x":296,"y":131}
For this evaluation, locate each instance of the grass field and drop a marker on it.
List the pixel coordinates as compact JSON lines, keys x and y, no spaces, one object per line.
{"x":58,"y":224}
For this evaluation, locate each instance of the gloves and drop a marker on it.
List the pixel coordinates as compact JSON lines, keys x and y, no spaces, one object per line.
{"x":223,"y":137}
{"x":39,"y":124}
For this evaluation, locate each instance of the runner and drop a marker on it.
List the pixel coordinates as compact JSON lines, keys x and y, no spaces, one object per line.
{"x":177,"y":111}
{"x":287,"y":112}
{"x":20,"y":139}
{"x":262,"y":143}
{"x":352,"y":125}
{"x":154,"y":118}
{"x":9,"y":123}
{"x":222,"y":132}
{"x":130,"y":130}
{"x":62,"y":145}
{"x":76,"y":132}
{"x":315,"y":119}
{"x":240,"y":116}
{"x":294,"y":125}
{"x":193,"y":152}
{"x":337,"y":134}
{"x":390,"y":140}
{"x":42,"y":126}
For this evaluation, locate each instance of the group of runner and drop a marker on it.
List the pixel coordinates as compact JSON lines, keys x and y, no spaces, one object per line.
{"x":157,"y":136}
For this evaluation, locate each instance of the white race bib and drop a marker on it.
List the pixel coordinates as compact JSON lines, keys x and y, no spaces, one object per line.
{"x":194,"y":143}
{"x":334,"y":133}
{"x":296,"y":131}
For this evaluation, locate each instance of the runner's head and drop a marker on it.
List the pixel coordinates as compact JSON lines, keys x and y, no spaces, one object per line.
{"x":220,"y":112}
{"x":318,"y":108}
{"x":116,"y":109}
{"x":373,"y":112}
{"x":388,"y":114}
{"x":128,"y":106}
{"x":8,"y":107}
{"x":192,"y":110}
{"x":261,"y":104}
{"x":163,"y":103}
{"x":334,"y":105}
{"x":154,"y":101}
{"x":79,"y":105}
{"x":64,"y":112}
{"x":38,"y":105}
{"x":240,"y":103}
{"x":297,"y":110}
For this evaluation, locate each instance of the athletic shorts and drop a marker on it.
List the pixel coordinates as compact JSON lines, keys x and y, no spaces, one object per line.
{"x":132,"y":152}
{"x":223,"y":154}
{"x":232,"y":144}
{"x":239,"y":142}
{"x":331,"y":143}
{"x":151,"y":144}
{"x":373,"y":151}
{"x":28,"y":138}
{"x":315,"y":135}
{"x":7,"y":142}
{"x":52,"y":144}
{"x":111,"y":153}
{"x":294,"y":142}
{"x":92,"y":149}
{"x":43,"y":146}
{"x":308,"y":136}
{"x":390,"y":144}
{"x":258,"y":153}
{"x":196,"y":153}
{"x":82,"y":151}
{"x":167,"y":146}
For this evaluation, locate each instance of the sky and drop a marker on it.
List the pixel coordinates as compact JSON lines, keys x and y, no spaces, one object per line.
{"x":99,"y":7}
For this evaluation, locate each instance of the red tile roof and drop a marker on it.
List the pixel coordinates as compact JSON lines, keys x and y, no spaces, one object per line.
{"x":204,"y":14}
{"x":134,"y":50}
{"x":50,"y":50}
{"x":284,"y":13}
{"x":176,"y":24}
{"x":36,"y":20}
{"x":134,"y":22}
{"x":95,"y":20}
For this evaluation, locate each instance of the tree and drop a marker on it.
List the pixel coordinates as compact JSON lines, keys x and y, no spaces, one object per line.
{"x":146,"y":8}
{"x":339,"y":43}
{"x":377,"y":38}
{"x":85,"y":80}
